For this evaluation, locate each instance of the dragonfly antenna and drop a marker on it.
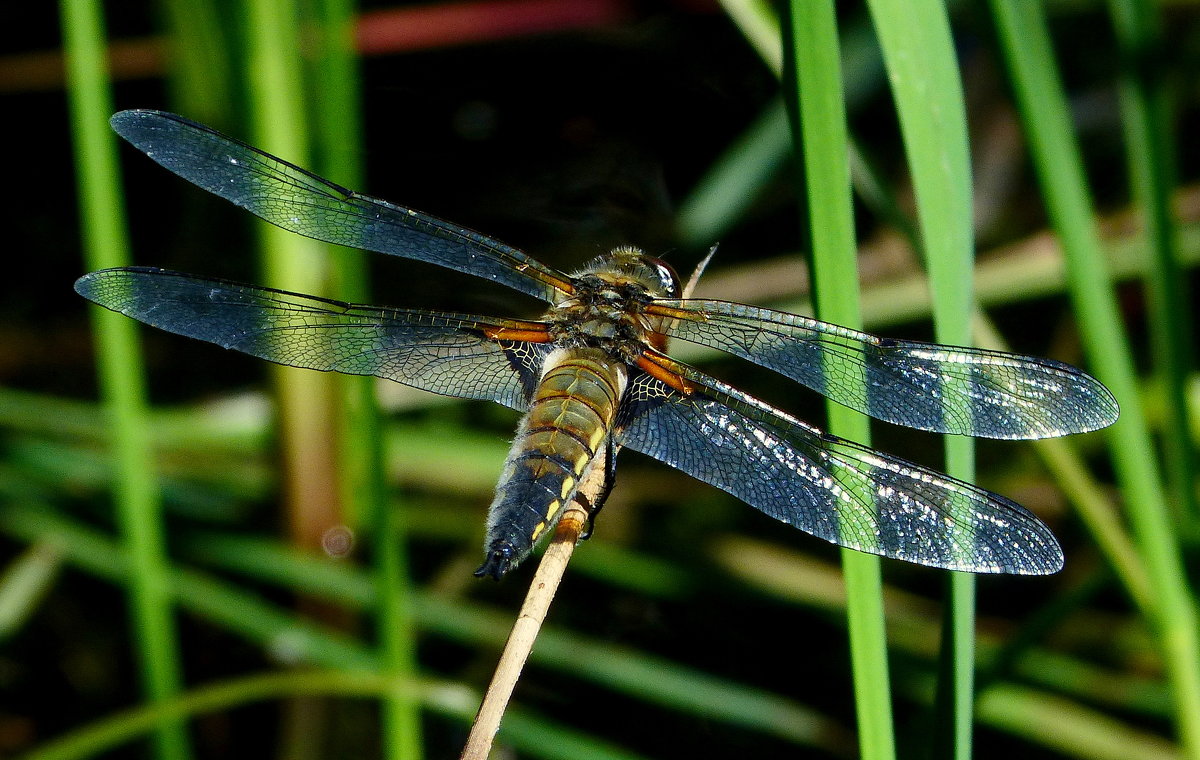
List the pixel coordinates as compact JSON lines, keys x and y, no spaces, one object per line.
{"x":694,"y":280}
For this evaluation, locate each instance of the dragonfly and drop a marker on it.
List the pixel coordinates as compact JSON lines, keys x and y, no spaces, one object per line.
{"x":592,"y":375}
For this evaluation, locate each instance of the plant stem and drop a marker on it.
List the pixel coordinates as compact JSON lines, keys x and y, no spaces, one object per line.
{"x":121,"y":375}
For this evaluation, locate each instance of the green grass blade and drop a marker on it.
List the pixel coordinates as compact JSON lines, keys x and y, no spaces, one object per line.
{"x":918,"y":52}
{"x":1150,"y":153}
{"x":120,"y":368}
{"x":1026,"y":45}
{"x":199,"y":75}
{"x":652,"y":679}
{"x":362,"y":461}
{"x":814,"y":92}
{"x":238,"y":611}
{"x":1067,"y":727}
{"x":730,"y":185}
{"x":533,"y":736}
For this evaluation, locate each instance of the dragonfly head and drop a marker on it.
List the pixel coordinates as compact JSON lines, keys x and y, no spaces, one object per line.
{"x":629,"y":265}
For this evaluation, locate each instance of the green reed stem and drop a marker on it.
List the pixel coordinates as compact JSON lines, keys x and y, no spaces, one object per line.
{"x":362,"y":461}
{"x":305,"y":399}
{"x":1025,"y":42}
{"x":1150,"y":153}
{"x":199,"y":63}
{"x":122,"y":384}
{"x":533,"y":736}
{"x":814,"y":93}
{"x":306,"y":402}
{"x":918,"y":51}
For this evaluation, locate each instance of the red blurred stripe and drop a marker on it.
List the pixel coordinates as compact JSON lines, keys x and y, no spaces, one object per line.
{"x":446,"y":24}
{"x":377,"y":33}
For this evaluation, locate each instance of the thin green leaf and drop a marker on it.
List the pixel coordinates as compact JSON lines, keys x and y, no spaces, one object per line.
{"x":1026,"y":45}
{"x":120,"y":367}
{"x":813,"y":87}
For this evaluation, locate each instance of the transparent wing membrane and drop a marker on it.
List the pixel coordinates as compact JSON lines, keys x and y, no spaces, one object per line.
{"x":945,"y":389}
{"x":300,"y":201}
{"x":832,"y":488}
{"x":439,"y":352}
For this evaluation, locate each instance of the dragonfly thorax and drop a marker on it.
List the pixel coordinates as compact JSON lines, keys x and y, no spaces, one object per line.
{"x":607,"y":308}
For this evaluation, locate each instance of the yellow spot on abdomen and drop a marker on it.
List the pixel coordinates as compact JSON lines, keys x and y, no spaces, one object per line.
{"x":568,"y":484}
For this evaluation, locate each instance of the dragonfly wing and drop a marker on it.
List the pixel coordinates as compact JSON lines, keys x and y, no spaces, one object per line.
{"x":832,"y":488}
{"x":928,"y":386}
{"x":444,"y":353}
{"x":299,"y":201}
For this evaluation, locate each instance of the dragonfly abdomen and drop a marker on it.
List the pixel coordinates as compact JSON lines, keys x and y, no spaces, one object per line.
{"x":556,"y":448}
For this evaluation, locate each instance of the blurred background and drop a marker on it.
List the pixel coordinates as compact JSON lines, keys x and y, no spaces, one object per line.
{"x":304,"y":564}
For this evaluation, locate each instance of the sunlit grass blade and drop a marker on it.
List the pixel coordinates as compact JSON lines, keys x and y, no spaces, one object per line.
{"x":1145,"y":114}
{"x":721,"y":197}
{"x":813,"y":92}
{"x":1025,"y":42}
{"x":919,"y":54}
{"x":24,"y":582}
{"x":120,"y":369}
{"x":306,"y":402}
{"x":362,"y":460}
{"x":728,"y":189}
{"x":757,"y":22}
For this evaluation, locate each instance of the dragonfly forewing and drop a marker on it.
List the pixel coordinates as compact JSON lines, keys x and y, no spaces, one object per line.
{"x":299,"y":201}
{"x":928,"y":386}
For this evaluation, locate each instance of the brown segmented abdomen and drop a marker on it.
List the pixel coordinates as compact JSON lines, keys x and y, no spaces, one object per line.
{"x":567,"y":425}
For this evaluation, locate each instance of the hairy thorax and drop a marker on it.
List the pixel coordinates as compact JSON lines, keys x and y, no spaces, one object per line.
{"x":607,"y":311}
